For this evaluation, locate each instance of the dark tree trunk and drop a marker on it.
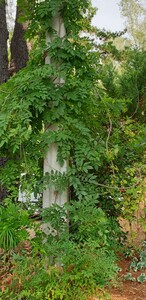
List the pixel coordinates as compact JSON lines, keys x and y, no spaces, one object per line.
{"x":3,"y":67}
{"x":19,"y":58}
{"x":3,"y":44}
{"x":19,"y":50}
{"x":3,"y":192}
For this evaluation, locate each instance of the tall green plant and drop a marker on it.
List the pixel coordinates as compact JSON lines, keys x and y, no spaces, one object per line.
{"x":13,"y":225}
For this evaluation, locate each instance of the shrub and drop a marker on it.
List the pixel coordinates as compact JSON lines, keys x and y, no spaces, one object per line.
{"x":13,"y":222}
{"x":62,"y":264}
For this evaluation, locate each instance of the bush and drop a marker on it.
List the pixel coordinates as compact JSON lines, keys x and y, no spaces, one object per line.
{"x":83,"y":270}
{"x":62,"y":264}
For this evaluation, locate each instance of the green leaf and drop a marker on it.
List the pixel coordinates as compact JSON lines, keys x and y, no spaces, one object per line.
{"x":141,"y":278}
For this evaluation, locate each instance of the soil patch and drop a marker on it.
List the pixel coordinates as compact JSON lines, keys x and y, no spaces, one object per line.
{"x":128,"y":290}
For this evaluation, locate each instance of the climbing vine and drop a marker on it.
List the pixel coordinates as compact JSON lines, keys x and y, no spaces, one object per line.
{"x":95,"y":133}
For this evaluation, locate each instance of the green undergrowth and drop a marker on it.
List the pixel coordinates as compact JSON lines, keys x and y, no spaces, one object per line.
{"x":72,"y":261}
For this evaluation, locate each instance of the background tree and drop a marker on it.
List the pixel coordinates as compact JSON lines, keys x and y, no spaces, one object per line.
{"x":18,"y":52}
{"x":3,"y":43}
{"x":18,"y":47}
{"x":3,"y":64}
{"x":134,"y":12}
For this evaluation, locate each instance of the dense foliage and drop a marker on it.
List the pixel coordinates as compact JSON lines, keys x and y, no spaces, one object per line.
{"x":99,"y":113}
{"x":61,"y":264}
{"x":96,"y":133}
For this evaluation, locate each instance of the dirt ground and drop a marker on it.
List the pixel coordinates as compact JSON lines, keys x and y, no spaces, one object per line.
{"x":125,"y":290}
{"x":128,"y":290}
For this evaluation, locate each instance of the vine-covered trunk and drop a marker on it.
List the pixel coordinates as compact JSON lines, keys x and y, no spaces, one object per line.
{"x":52,"y":195}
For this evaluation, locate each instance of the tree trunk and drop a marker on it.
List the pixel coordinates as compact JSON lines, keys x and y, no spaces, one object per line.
{"x":3,"y":67}
{"x":51,"y":195}
{"x":19,"y":50}
{"x":3,"y":44}
{"x":19,"y":58}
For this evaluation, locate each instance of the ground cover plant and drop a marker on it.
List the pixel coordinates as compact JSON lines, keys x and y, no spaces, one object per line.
{"x":138,"y":264}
